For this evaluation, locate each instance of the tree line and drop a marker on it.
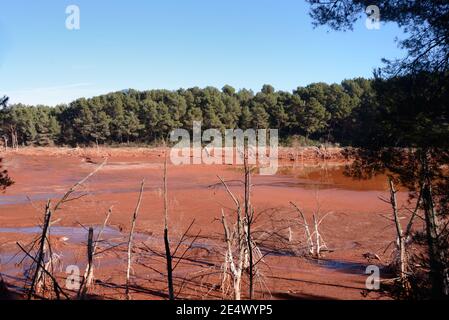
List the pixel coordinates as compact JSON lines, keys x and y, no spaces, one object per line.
{"x":321,"y":112}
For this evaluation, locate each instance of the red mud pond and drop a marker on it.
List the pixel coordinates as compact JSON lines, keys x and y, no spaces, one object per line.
{"x":354,"y":227}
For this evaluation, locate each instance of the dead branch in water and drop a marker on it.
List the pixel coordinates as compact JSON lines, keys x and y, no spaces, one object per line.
{"x":130,"y":239}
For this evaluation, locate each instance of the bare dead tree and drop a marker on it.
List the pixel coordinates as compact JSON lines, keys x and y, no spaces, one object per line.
{"x":43,"y":262}
{"x":183,"y":256}
{"x":400,"y":236}
{"x":176,"y":258}
{"x":235,"y":266}
{"x":241,"y":249}
{"x":309,"y":240}
{"x":249,"y":216}
{"x":91,"y":252}
{"x":130,"y":239}
{"x":89,"y":273}
{"x":403,"y":237}
{"x":38,"y":279}
{"x":168,"y":254}
{"x":315,"y":243}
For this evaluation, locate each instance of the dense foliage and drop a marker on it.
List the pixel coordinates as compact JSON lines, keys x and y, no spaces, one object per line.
{"x":425,"y":24}
{"x":409,"y":135}
{"x":329,"y":113}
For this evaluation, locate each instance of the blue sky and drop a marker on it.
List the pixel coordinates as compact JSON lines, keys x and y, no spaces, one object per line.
{"x":150,"y":44}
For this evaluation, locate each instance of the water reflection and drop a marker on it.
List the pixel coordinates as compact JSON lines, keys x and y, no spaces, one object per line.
{"x":331,"y":177}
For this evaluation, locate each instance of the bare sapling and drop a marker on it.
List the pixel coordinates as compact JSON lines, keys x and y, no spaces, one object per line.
{"x":130,"y":240}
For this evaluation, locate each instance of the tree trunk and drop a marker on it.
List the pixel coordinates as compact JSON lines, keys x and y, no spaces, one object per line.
{"x":436,"y":253}
{"x":237,"y":286}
